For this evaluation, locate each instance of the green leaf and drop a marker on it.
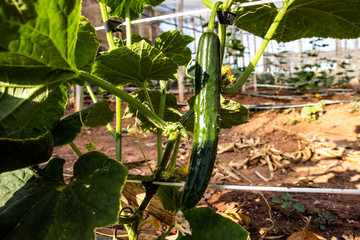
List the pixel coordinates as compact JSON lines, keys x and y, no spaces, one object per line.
{"x":12,"y":181}
{"x":134,"y":65}
{"x":276,"y":200}
{"x":48,"y":115}
{"x":20,"y":153}
{"x":117,"y":7}
{"x":170,"y":197}
{"x":285,"y":206}
{"x":37,"y":46}
{"x":304,"y":19}
{"x":287,"y":197}
{"x":98,"y":114}
{"x":173,"y":45}
{"x":299,"y":207}
{"x":206,"y":224}
{"x":171,"y":113}
{"x":231,"y":113}
{"x":237,"y":45}
{"x":48,"y":208}
{"x":87,"y":46}
{"x":134,"y":39}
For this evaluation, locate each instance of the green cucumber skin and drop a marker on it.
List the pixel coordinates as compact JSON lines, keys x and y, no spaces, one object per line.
{"x":206,"y":129}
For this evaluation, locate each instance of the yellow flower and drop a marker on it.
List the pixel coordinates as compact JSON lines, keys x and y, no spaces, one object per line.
{"x":226,"y":75}
{"x":231,"y":78}
{"x":317,"y":95}
{"x":132,"y":131}
{"x":226,"y":69}
{"x":166,"y":175}
{"x":316,"y":74}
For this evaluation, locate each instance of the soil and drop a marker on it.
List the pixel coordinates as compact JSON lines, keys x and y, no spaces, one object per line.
{"x":298,"y":148}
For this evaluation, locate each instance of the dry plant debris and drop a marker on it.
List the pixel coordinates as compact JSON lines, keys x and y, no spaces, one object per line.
{"x":235,"y":215}
{"x":260,"y":153}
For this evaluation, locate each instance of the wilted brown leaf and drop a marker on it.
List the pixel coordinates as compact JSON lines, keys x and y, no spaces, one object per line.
{"x":305,"y":235}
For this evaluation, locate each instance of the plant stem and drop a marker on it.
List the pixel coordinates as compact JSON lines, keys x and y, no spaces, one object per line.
{"x":227,"y":5}
{"x":186,"y":117}
{"x":208,"y":3}
{"x":118,"y":102}
{"x":76,"y":149}
{"x":118,"y":129}
{"x":142,"y":152}
{"x":126,"y":97}
{"x":128,"y":23}
{"x":244,"y":76}
{"x":222,"y":38}
{"x":80,"y":117}
{"x":222,"y":31}
{"x":148,"y":99}
{"x":161,"y":116}
{"x":117,"y":133}
{"x":168,"y":149}
{"x":105,"y":17}
{"x":167,"y":153}
{"x":211,"y":24}
{"x":172,"y":163}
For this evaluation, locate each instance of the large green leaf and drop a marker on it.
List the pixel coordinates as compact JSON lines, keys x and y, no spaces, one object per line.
{"x":303,"y":19}
{"x":117,"y":7}
{"x":134,"y":65}
{"x":48,"y":208}
{"x":37,"y":46}
{"x":48,"y":115}
{"x":173,"y":44}
{"x":12,"y":181}
{"x":98,"y":114}
{"x":206,"y":224}
{"x":86,"y":46}
{"x":134,"y":39}
{"x":20,"y":153}
{"x":231,"y":113}
{"x":171,"y":113}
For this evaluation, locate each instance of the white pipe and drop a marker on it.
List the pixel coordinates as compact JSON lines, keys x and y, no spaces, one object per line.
{"x":189,"y":13}
{"x":195,"y":12}
{"x":264,"y":189}
{"x":261,"y":189}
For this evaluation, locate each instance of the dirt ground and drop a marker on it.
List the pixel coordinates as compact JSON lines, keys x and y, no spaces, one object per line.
{"x":278,"y":148}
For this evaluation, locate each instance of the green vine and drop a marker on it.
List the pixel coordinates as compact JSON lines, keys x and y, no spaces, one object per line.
{"x":244,"y":76}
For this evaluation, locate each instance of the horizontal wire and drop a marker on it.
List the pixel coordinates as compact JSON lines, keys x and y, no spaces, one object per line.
{"x":258,"y":188}
{"x":189,"y":13}
{"x":264,"y":189}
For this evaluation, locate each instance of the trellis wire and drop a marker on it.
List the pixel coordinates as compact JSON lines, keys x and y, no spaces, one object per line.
{"x":257,"y":188}
{"x":264,"y":189}
{"x":189,"y":13}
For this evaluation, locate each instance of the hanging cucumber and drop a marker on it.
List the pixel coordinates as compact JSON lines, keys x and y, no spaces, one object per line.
{"x":206,"y":113}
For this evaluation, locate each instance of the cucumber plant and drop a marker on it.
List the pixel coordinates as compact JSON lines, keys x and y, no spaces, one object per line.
{"x":47,"y":47}
{"x":287,"y":205}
